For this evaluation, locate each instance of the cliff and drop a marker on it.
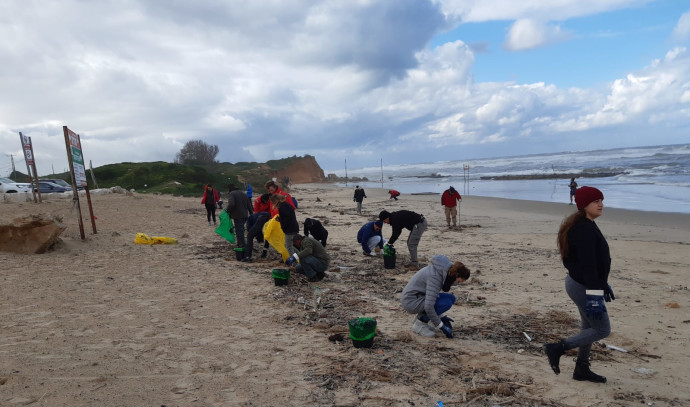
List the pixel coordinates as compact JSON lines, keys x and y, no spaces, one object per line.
{"x":302,"y":170}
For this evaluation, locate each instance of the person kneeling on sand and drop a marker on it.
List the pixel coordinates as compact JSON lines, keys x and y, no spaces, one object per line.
{"x":369,"y":236}
{"x":312,"y":259}
{"x":422,"y":295}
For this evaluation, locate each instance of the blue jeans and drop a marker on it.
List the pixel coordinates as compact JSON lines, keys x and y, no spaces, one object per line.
{"x":443,"y":303}
{"x":311,"y":267}
{"x":591,"y":330}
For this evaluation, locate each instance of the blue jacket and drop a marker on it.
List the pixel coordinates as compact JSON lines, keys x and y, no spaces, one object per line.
{"x":365,"y":233}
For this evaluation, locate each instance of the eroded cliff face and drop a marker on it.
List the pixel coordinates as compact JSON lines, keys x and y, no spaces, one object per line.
{"x":304,"y":171}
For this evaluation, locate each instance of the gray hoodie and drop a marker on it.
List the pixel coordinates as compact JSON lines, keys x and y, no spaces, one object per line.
{"x":421,"y":292}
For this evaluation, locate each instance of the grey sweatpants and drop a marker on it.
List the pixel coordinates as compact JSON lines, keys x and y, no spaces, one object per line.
{"x":414,"y":238}
{"x":591,"y":330}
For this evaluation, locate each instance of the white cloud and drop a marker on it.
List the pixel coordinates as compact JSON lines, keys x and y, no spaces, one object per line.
{"x":527,"y":34}
{"x":682,"y":30}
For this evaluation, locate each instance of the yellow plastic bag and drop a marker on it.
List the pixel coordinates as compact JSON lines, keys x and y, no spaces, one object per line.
{"x":275,"y":237}
{"x":142,"y":238}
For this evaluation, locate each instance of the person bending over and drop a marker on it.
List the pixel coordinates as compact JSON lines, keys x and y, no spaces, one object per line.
{"x":311,"y":260}
{"x":422,"y":295}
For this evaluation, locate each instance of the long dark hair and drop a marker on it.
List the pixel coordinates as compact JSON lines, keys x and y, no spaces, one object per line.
{"x":567,"y":223}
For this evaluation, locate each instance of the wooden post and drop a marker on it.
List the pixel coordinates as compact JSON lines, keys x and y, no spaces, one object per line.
{"x":75,"y":191}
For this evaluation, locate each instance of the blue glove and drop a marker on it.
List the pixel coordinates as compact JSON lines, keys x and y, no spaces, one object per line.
{"x":595,"y":307}
{"x":291,"y":260}
{"x":608,"y":294}
{"x":447,"y":330}
{"x":447,"y":321}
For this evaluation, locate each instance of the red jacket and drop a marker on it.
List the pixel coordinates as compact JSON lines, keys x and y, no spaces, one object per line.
{"x":450,"y":199}
{"x":288,"y":199}
{"x":216,"y":195}
{"x":260,"y":206}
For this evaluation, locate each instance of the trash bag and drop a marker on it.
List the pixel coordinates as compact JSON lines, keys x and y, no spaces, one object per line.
{"x":274,"y":235}
{"x":226,"y":229}
{"x":142,"y":238}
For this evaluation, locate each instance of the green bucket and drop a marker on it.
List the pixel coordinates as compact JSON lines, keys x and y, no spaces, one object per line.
{"x":239,"y":253}
{"x":280,"y":276}
{"x":362,"y":331}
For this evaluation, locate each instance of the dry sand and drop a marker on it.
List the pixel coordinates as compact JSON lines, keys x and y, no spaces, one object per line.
{"x":105,"y":322}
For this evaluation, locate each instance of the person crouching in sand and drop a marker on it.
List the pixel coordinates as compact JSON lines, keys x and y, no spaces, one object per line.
{"x":422,"y":295}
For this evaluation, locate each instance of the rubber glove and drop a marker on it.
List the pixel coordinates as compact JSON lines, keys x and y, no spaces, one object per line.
{"x":595,"y":307}
{"x":447,"y":321}
{"x":447,"y":330}
{"x":608,"y":294}
{"x":291,"y":260}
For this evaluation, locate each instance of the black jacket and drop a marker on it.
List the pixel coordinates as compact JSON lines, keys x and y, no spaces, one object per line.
{"x":288,"y":219}
{"x":589,"y":260}
{"x":315,"y":228}
{"x":402,"y":219}
{"x":359,"y":195}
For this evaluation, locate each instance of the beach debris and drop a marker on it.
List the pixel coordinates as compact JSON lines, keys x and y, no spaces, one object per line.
{"x":527,"y":336}
{"x":672,"y":305}
{"x":643,"y":370}
{"x":142,"y":238}
{"x":616,"y":348}
{"x":33,"y":234}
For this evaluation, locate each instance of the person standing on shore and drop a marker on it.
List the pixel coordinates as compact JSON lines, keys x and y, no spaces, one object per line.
{"x":411,"y":221}
{"x":585,"y":253}
{"x":573,"y":188}
{"x":449,"y":200}
{"x":359,"y":197}
{"x":422,"y":295}
{"x":209,"y":200}
{"x":239,"y":208}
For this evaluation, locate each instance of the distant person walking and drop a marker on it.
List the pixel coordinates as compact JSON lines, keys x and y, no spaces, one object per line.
{"x":359,"y":197}
{"x":394,"y":194}
{"x":411,"y":221}
{"x":210,"y":200}
{"x":314,"y":228}
{"x":239,"y":208}
{"x":449,"y":200}
{"x":573,"y":188}
{"x":585,"y":253}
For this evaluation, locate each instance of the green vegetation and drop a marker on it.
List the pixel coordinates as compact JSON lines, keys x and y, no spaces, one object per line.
{"x":179,"y":179}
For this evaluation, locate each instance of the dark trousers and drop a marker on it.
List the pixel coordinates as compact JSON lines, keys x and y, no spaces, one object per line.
{"x":211,"y":212}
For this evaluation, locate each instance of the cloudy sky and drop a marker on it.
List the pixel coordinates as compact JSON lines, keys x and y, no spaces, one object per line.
{"x":406,"y":81}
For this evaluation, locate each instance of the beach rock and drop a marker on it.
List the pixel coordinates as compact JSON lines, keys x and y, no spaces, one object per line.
{"x":31,"y":234}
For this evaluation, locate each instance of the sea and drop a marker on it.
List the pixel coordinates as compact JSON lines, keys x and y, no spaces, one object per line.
{"x":654,"y":178}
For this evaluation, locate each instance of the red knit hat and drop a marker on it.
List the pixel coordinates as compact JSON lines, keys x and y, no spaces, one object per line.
{"x":586,"y":195}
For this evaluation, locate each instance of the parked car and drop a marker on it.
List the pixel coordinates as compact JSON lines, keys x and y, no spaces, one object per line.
{"x":58,"y":181}
{"x":50,"y":187}
{"x":10,"y":187}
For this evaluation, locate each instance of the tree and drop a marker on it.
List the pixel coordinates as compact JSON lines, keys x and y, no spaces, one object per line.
{"x":197,"y":152}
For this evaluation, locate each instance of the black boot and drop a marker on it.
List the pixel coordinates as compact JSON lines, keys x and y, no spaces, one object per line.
{"x":582,"y":372}
{"x":554,"y":351}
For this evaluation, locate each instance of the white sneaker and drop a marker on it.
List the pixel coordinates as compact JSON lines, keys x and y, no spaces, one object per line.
{"x":423,"y":329}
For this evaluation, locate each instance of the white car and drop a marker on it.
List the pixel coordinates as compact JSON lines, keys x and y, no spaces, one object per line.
{"x":10,"y":187}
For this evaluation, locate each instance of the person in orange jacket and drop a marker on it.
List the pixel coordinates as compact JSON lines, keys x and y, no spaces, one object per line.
{"x":274,"y":189}
{"x":394,"y":194}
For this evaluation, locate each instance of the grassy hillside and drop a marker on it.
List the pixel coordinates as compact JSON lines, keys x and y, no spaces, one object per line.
{"x":179,"y":179}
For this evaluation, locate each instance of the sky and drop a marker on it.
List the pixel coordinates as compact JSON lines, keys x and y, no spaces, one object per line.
{"x":352,"y":82}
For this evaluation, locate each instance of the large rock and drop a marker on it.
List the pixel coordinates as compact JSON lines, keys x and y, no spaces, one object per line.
{"x":30,"y":234}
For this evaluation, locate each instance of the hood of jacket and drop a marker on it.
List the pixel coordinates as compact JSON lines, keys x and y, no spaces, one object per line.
{"x":441,"y":264}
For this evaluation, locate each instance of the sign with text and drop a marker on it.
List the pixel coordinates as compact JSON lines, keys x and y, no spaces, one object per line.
{"x":77,"y":158}
{"x":28,"y":151}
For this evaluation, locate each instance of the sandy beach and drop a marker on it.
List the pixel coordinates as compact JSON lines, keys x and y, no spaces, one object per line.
{"x":106,"y":322}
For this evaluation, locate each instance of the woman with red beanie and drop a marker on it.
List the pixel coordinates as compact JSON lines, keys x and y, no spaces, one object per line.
{"x":585,"y":254}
